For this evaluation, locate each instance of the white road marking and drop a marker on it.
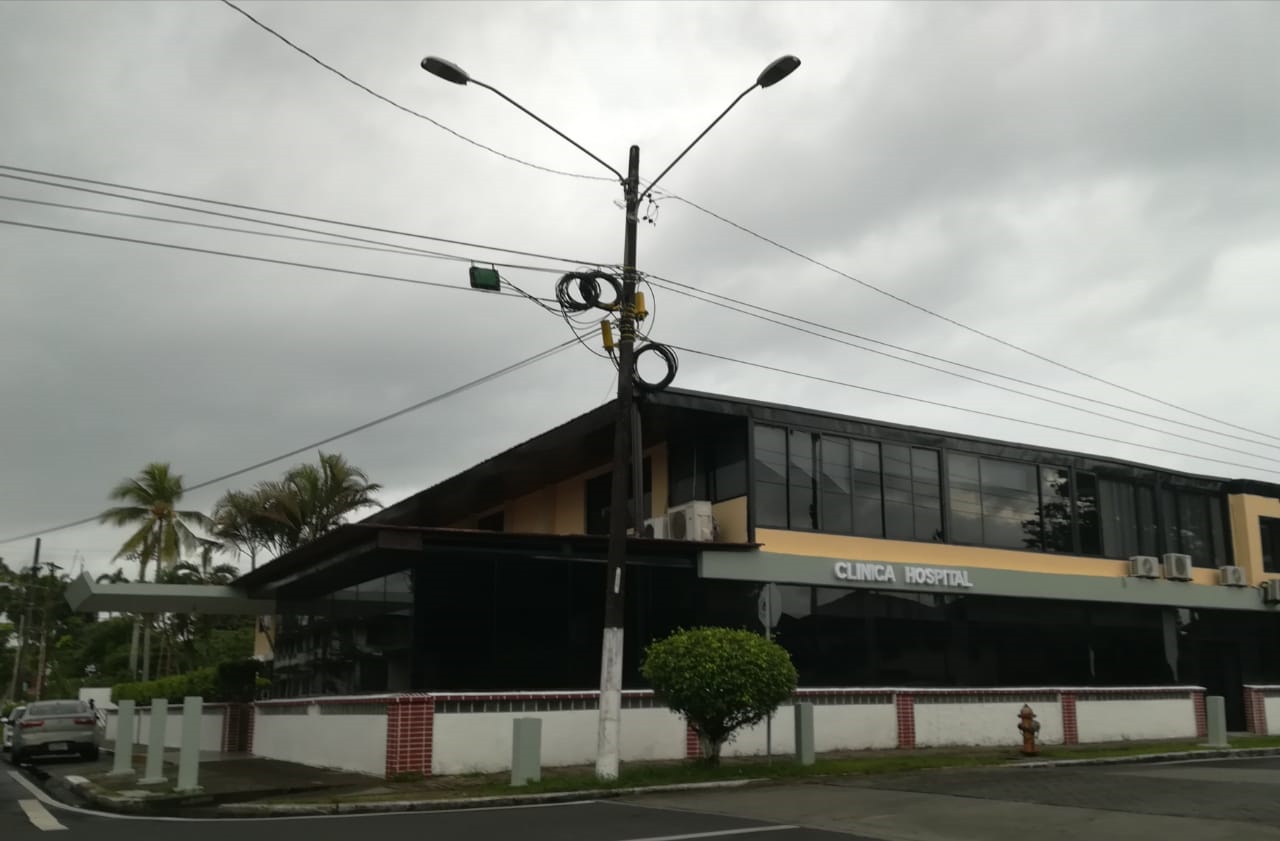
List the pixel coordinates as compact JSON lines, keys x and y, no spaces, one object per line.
{"x":39,"y":815}
{"x":719,"y":833}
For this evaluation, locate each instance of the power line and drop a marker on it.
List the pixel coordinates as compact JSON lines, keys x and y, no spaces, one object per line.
{"x":958,"y":375}
{"x":453,"y":392}
{"x":272,"y":260}
{"x":693,"y":292}
{"x":940,"y":404}
{"x":384,"y":247}
{"x":257,"y":209}
{"x":408,"y":110}
{"x":961,"y":324}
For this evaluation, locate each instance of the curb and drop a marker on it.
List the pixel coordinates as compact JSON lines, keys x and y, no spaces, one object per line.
{"x":1186,"y":755}
{"x":258,"y":810}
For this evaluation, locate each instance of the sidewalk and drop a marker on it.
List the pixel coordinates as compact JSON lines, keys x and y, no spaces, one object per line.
{"x":239,"y":785}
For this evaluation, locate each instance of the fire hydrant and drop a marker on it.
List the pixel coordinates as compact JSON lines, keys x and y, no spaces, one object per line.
{"x":1030,"y":727}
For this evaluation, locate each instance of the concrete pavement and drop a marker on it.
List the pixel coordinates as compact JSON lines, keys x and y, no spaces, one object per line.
{"x":1223,"y":800}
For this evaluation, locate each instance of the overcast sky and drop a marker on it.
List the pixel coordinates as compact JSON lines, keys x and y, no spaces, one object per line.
{"x":1093,"y":182}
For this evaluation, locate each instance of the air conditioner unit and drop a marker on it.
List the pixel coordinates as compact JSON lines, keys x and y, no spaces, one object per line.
{"x":656,"y":527}
{"x":1231,"y":577}
{"x":1177,"y":567}
{"x":1271,"y":591}
{"x":691,"y":521}
{"x":1144,"y":566}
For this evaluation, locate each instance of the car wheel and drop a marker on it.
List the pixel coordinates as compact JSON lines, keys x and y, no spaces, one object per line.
{"x":17,"y":756}
{"x":92,"y":754}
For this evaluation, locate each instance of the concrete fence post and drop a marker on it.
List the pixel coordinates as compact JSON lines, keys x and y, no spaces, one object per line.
{"x":1216,"y":713}
{"x":526,"y":751}
{"x":122,"y":764}
{"x":154,"y":774}
{"x":804,"y":733}
{"x":189,"y":752}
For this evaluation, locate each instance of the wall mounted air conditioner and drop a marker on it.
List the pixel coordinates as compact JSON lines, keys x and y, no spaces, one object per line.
{"x":1271,"y":591}
{"x":655,"y":527}
{"x":1231,"y":577}
{"x":1144,"y":566}
{"x":1177,"y":567}
{"x":691,"y":521}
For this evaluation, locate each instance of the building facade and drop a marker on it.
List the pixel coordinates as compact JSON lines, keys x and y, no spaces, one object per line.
{"x":903,"y":557}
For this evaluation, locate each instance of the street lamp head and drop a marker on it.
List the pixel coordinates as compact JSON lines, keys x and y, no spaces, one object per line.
{"x":451,"y":72}
{"x":777,"y":70}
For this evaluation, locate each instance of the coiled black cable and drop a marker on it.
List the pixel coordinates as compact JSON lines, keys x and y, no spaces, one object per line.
{"x":588,"y":285}
{"x":668,"y":356}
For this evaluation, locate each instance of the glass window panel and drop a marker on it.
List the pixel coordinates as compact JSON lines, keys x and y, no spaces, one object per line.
{"x":965,"y":498}
{"x":1270,"y":528}
{"x":1010,"y":499}
{"x":770,"y":446}
{"x":1087,"y":513}
{"x":1055,"y":509}
{"x":729,"y":460}
{"x":927,"y":490}
{"x":837,"y":486}
{"x":1194,"y":529}
{"x":899,"y":519}
{"x":1147,"y":531}
{"x":683,"y":466}
{"x":868,"y":514}
{"x":1119,"y":518}
{"x":1220,"y":555}
{"x":801,"y":481}
{"x":1169,"y":514}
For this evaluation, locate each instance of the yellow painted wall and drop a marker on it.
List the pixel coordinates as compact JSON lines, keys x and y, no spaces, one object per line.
{"x":1246,"y":537}
{"x":261,"y":643}
{"x":731,"y":515}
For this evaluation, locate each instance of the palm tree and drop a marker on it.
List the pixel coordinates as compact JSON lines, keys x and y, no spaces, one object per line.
{"x":162,"y":531}
{"x":314,"y":499}
{"x":238,"y":521}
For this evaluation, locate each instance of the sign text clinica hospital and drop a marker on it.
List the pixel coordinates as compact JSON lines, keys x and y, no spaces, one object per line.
{"x":877,"y":573}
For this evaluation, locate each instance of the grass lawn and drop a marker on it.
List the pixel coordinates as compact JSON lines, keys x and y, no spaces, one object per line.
{"x":635,"y":775}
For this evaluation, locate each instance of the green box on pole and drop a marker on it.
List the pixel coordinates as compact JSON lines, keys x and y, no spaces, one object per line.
{"x":486,"y":279}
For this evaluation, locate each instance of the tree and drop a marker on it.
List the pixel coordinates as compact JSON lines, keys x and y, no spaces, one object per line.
{"x":162,"y":530}
{"x":313,"y":499}
{"x":719,"y":679}
{"x":240,"y":523}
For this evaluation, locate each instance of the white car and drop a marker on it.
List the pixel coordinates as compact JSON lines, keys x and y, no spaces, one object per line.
{"x":55,"y":728}
{"x":10,"y":724}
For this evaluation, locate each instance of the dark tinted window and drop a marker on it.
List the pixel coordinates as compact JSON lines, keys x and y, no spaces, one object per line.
{"x":1193,"y":526}
{"x":1087,"y":514}
{"x":837,"y":485}
{"x":802,"y":482}
{"x":994,"y":503}
{"x":770,"y":477}
{"x":1270,"y":528}
{"x":868,"y":511}
{"x":912,"y":495}
{"x":965,"y":489}
{"x":926,"y":488}
{"x":1055,"y":509}
{"x":728,"y":464}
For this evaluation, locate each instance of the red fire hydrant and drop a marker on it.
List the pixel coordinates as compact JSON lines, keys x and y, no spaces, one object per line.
{"x":1030,"y":727}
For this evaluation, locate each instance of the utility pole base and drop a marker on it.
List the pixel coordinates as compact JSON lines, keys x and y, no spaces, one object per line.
{"x":609,"y":741}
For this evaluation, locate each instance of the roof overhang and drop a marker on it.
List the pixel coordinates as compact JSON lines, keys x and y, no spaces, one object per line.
{"x":85,"y":595}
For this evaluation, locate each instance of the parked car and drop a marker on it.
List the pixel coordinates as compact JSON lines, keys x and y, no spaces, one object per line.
{"x":10,"y":724}
{"x":56,"y":728}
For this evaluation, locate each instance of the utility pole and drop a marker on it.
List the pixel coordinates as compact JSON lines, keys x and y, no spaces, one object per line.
{"x":609,"y":736}
{"x":24,"y":622}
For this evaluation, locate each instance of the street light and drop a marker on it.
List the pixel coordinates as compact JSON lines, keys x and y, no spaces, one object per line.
{"x":608,"y":742}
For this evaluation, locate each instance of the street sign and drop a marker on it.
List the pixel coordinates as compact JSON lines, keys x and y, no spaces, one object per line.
{"x":769,"y":607}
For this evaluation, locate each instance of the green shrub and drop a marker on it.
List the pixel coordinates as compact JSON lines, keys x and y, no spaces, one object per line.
{"x":234,"y":682}
{"x":719,"y":679}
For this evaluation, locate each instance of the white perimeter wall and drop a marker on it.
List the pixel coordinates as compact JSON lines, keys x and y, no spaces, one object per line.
{"x":835,"y":727}
{"x":1126,"y":719}
{"x":481,"y":742}
{"x":354,"y":741}
{"x":1272,"y":706}
{"x":210,"y":727}
{"x":986,"y":723}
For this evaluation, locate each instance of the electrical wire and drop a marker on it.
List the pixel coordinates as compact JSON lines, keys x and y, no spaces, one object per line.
{"x":257,"y":209}
{"x":421,"y":404}
{"x":940,"y":404}
{"x":693,"y":292}
{"x":274,"y":261}
{"x":963,"y":326}
{"x":408,"y":110}
{"x":866,"y":284}
{"x":1049,"y":400}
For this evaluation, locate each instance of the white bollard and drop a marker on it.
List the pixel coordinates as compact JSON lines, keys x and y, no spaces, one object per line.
{"x":526,"y":751}
{"x":122,"y":765}
{"x":154,"y":774}
{"x":189,"y":753}
{"x":1216,"y":714}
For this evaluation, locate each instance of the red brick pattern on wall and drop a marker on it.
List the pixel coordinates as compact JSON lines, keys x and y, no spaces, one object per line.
{"x":1070,"y":724}
{"x":906,"y":712}
{"x":1202,"y":717}
{"x":410,"y":727}
{"x":1255,"y":710}
{"x":692,"y":747}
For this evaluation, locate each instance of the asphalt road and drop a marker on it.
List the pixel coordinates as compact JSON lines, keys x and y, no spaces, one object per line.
{"x":1227,"y":800}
